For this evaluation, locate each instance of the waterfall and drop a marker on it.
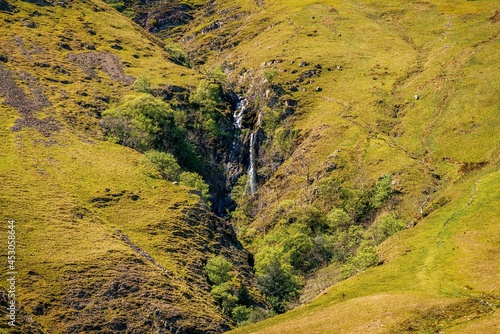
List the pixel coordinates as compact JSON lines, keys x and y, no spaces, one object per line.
{"x":252,"y":175}
{"x":235,"y":156}
{"x":239,"y":112}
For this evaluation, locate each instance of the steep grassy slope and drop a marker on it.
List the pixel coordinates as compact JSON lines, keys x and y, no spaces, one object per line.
{"x":341,"y":94}
{"x":440,"y":275}
{"x":396,"y":82}
{"x":101,"y":246}
{"x":406,"y":88}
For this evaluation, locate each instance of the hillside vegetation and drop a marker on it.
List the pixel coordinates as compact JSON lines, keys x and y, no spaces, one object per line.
{"x":352,"y":148}
{"x":367,"y":91}
{"x":102,"y":246}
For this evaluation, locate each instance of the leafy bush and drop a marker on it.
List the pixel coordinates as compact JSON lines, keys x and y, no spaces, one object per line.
{"x":257,"y":314}
{"x":270,"y":120}
{"x":386,"y":226}
{"x":311,"y":217}
{"x":144,"y":122}
{"x":365,"y":257}
{"x":224,"y":293}
{"x":195,"y":180}
{"x":207,"y":96}
{"x":356,"y":203}
{"x":278,"y":282}
{"x":218,"y":270}
{"x":217,"y":75}
{"x":329,"y":191}
{"x":232,"y":296}
{"x":142,"y":84}
{"x":162,"y":164}
{"x":177,"y":55}
{"x":382,"y":191}
{"x":241,"y":314}
{"x":138,"y":123}
{"x":338,"y":219}
{"x":344,"y":243}
{"x":285,"y":141}
{"x":298,"y":246}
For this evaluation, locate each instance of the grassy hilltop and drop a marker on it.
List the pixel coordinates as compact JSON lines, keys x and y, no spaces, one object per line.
{"x":375,"y":127}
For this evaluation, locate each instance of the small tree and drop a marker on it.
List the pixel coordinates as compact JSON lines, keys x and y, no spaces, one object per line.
{"x":162,"y":164}
{"x":298,"y":246}
{"x":241,"y":314}
{"x":365,"y":257}
{"x":338,"y":219}
{"x":142,"y":122}
{"x":218,"y":270}
{"x":278,"y":283}
{"x":207,"y":95}
{"x":142,"y":84}
{"x":382,"y":191}
{"x":385,"y":226}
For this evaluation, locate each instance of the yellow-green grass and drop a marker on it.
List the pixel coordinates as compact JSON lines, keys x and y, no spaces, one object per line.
{"x":417,"y":96}
{"x":73,"y":25}
{"x":67,"y":236}
{"x":390,"y":52}
{"x":448,"y":257}
{"x":48,"y":188}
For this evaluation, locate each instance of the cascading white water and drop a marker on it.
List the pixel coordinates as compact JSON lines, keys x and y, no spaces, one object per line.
{"x":239,"y":112}
{"x":238,"y":115}
{"x":252,"y":176}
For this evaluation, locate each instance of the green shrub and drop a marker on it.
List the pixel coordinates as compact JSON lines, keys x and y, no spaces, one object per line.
{"x":178,"y":55}
{"x":141,"y":122}
{"x":270,"y":120}
{"x":344,"y":243}
{"x":142,"y":84}
{"x":365,"y":257}
{"x":278,"y":282}
{"x":241,"y":314}
{"x":257,"y":314}
{"x":329,"y":191}
{"x":226,"y":297}
{"x":217,"y":75}
{"x":356,"y":203}
{"x":285,"y":141}
{"x":144,"y":122}
{"x":385,"y":226}
{"x":207,"y":96}
{"x":311,"y":217}
{"x":298,"y":246}
{"x":338,"y":219}
{"x":382,"y":191}
{"x":162,"y":164}
{"x":218,"y":270}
